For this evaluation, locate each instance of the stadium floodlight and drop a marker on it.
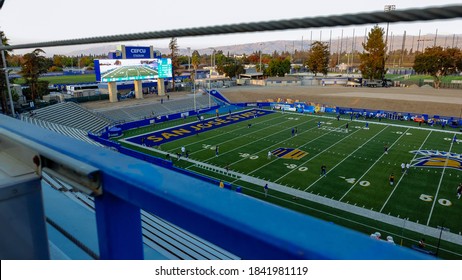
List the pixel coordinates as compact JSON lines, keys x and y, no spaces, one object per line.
{"x":389,"y":8}
{"x":386,"y":9}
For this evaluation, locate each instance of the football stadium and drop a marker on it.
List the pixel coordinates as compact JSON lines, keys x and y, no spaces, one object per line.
{"x":245,"y":172}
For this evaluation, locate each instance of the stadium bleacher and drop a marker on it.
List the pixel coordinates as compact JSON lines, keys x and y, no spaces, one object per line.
{"x":62,"y":129}
{"x":72,"y":115}
{"x":133,"y":113}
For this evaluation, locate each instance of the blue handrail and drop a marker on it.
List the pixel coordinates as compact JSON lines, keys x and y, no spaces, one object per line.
{"x":246,"y":227}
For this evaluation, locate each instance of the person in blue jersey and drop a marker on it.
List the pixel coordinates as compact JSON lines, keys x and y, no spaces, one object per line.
{"x":265,"y":189}
{"x":323,"y":170}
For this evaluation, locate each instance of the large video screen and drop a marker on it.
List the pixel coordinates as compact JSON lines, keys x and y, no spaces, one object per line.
{"x":117,"y":70}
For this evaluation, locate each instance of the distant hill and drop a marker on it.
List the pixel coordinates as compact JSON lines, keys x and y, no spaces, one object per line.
{"x":395,"y":43}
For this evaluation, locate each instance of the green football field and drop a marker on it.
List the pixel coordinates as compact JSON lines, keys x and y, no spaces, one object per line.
{"x":357,"y":169}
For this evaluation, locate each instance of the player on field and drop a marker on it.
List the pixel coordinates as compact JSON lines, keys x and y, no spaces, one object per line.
{"x":459,"y":191}
{"x":319,"y":124}
{"x":323,"y":170}
{"x":408,"y":165}
{"x":385,"y":149}
{"x":217,"y":150}
{"x":391,"y":179}
{"x":269,"y":154}
{"x":183,"y":150}
{"x":422,"y":243}
{"x":403,"y":167}
{"x":265,"y":188}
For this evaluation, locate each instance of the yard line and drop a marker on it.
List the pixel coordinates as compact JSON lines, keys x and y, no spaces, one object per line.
{"x":297,"y":148}
{"x":243,"y":128}
{"x":221,"y":143}
{"x":303,"y":123}
{"x":397,"y":184}
{"x":372,"y":165}
{"x":350,"y":134}
{"x":441,"y":180}
{"x":347,"y":157}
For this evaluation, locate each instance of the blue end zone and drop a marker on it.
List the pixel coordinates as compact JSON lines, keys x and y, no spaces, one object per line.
{"x":178,"y":132}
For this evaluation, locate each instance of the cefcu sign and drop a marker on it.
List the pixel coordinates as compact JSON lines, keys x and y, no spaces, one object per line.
{"x":137,"y":52}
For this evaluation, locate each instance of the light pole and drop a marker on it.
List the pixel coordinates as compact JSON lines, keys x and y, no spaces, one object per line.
{"x":260,"y":58}
{"x":212,"y":64}
{"x":6,"y":78}
{"x":189,"y":58}
{"x":441,"y":228}
{"x":386,"y":9}
{"x":194,"y":89}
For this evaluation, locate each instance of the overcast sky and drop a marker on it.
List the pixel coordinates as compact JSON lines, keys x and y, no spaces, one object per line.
{"x":31,"y":21}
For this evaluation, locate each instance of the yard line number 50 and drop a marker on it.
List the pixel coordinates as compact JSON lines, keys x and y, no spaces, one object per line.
{"x":429,"y":198}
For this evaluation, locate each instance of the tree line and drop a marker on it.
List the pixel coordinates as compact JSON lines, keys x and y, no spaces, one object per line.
{"x":435,"y":61}
{"x":372,"y":62}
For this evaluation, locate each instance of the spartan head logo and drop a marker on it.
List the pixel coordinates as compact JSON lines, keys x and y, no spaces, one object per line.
{"x":437,"y":159}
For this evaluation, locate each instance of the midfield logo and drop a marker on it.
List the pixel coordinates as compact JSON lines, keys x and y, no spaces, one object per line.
{"x":437,"y":159}
{"x":289,"y":153}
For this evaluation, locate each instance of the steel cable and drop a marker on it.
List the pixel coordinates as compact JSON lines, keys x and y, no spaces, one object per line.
{"x":424,"y":14}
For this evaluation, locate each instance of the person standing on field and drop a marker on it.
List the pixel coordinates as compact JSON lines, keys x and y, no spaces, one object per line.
{"x":323,"y":170}
{"x":265,"y":188}
{"x":391,"y":179}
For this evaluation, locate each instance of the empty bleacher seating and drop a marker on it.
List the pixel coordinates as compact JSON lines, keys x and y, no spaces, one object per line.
{"x":72,"y":115}
{"x":137,"y":112}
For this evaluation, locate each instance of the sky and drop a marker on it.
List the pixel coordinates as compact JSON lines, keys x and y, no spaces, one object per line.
{"x":32,"y":21}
